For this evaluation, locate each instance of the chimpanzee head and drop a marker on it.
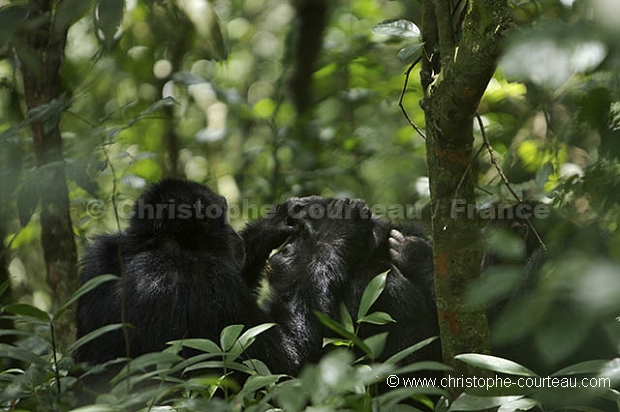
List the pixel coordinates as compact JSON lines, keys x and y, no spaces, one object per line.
{"x":187,"y":214}
{"x":332,"y":236}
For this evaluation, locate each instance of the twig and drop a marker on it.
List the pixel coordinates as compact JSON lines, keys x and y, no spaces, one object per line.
{"x":504,"y":179}
{"x":402,"y":96}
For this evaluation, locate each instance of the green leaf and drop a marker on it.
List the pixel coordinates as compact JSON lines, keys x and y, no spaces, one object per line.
{"x":256,"y":382}
{"x":376,"y":344}
{"x":143,"y":362}
{"x":388,"y":400}
{"x":8,"y":351}
{"x":587,"y":367}
{"x":97,"y":408}
{"x":523,"y":404}
{"x":377,"y":318}
{"x":493,"y":363}
{"x":4,"y":287}
{"x":337,"y":342}
{"x":204,"y":345}
{"x":93,"y":335}
{"x":30,"y":311}
{"x":229,"y":336}
{"x":85,"y":288}
{"x":248,"y":338}
{"x":345,"y":318}
{"x":339,"y":329}
{"x":371,"y":294}
{"x":399,"y":28}
{"x":397,"y":357}
{"x":467,"y":402}
{"x":422,"y":366}
{"x":109,"y":18}
{"x":410,"y":53}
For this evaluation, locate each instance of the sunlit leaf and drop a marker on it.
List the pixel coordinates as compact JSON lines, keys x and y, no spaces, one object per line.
{"x":466,"y":402}
{"x":399,"y":28}
{"x":495,"y":364}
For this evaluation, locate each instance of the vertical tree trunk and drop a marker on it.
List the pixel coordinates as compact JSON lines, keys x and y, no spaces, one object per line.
{"x":307,"y":44}
{"x":40,"y":48}
{"x":454,"y":76}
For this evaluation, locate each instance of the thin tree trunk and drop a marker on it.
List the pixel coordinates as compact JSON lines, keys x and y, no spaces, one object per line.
{"x":40,"y":48}
{"x":454,"y":76}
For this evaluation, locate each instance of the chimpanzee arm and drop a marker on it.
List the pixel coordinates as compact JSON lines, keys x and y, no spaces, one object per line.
{"x":261,"y":237}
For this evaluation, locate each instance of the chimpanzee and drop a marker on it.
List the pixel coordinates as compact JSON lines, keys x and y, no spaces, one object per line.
{"x":181,"y":263}
{"x":337,"y":248}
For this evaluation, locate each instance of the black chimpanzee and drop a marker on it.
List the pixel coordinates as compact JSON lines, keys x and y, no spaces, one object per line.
{"x":182,"y":268}
{"x":338,"y":247}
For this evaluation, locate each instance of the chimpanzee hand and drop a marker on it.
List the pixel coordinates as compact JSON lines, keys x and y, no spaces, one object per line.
{"x":412,"y":256}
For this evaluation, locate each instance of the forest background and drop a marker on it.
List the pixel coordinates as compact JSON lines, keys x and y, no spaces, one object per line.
{"x":262,"y":100}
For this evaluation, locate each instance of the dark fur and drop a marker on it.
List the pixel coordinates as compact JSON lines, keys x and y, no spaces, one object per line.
{"x":182,"y":272}
{"x":330,"y":259}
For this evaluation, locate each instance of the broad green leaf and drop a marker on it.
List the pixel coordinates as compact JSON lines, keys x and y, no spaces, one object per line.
{"x":144,"y":362}
{"x":495,"y":364}
{"x":229,"y":336}
{"x":377,"y":318}
{"x":85,"y":288}
{"x":400,"y":28}
{"x":204,"y":345}
{"x":247,"y":339}
{"x":30,"y":311}
{"x":523,"y":404}
{"x":422,"y":366}
{"x":587,"y":367}
{"x":376,"y":344}
{"x":397,"y":357}
{"x":256,"y":382}
{"x":371,"y":294}
{"x":410,"y":53}
{"x":11,"y":352}
{"x":467,"y":402}
{"x":93,"y":335}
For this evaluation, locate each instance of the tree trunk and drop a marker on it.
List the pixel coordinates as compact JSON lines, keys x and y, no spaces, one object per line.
{"x":454,"y":76}
{"x":40,"y":47}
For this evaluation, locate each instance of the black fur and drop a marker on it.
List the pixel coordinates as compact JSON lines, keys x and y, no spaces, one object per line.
{"x":182,"y":266}
{"x":337,"y":249}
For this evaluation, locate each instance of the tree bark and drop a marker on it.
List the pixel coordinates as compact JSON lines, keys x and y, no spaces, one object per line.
{"x":455,"y":73}
{"x":40,"y":47}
